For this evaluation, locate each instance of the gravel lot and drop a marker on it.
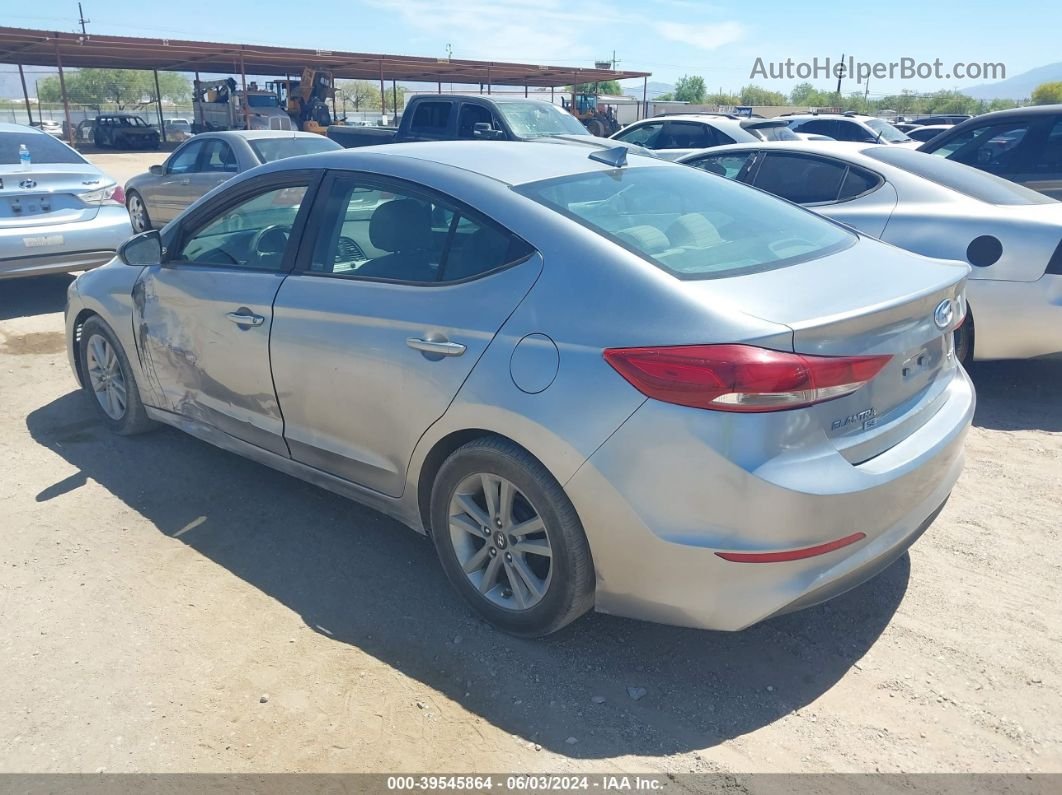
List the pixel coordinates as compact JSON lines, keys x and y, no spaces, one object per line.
{"x":167,"y":606}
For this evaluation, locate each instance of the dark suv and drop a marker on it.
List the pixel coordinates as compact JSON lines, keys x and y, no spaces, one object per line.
{"x":1023,"y":145}
{"x":124,"y":131}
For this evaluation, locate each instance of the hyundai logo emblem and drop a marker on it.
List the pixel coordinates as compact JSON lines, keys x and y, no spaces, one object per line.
{"x":943,"y":314}
{"x":28,"y":183}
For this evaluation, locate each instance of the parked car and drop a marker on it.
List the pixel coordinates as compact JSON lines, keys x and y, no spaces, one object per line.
{"x":53,"y":128}
{"x":124,"y":131}
{"x":944,"y":118}
{"x":1023,"y":145}
{"x":456,"y":117}
{"x":928,"y":132}
{"x":63,"y":214}
{"x":202,"y":163}
{"x":905,"y":126}
{"x":1008,"y":234}
{"x":862,"y":129}
{"x":177,"y":129}
{"x":598,"y":381}
{"x":671,"y":137}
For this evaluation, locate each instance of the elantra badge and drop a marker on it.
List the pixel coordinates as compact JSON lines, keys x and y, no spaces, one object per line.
{"x":943,"y":314}
{"x":28,"y":183}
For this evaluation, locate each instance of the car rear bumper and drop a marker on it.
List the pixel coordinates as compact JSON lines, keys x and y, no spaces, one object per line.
{"x":659,"y":502}
{"x":79,"y":246}
{"x":1016,"y":320}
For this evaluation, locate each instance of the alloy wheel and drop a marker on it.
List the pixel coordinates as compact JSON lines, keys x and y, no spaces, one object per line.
{"x":137,"y":214}
{"x":501,"y":542}
{"x":105,"y":375}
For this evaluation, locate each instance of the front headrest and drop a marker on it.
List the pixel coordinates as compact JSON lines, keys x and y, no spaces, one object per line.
{"x":401,"y":225}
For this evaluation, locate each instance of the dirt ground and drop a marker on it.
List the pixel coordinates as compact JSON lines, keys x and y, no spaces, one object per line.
{"x":166,"y":606}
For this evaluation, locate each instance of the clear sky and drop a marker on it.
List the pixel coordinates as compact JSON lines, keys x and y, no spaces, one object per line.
{"x":718,"y":40}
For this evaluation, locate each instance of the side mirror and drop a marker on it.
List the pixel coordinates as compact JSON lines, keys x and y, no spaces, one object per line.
{"x":143,"y":249}
{"x":158,"y":171}
{"x":483,"y":131}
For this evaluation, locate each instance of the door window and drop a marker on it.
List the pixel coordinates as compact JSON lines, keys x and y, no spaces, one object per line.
{"x":1048,"y":160}
{"x":818,"y":127}
{"x":471,"y":115}
{"x":643,"y":135}
{"x":185,"y":159}
{"x":990,"y":147}
{"x":377,"y":232}
{"x":851,"y":131}
{"x":800,"y":179}
{"x":689,"y":135}
{"x":431,"y":118}
{"x":729,"y":166}
{"x":218,"y":156}
{"x":253,"y":234}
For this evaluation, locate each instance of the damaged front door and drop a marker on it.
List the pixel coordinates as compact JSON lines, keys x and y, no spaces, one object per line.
{"x":203,"y":318}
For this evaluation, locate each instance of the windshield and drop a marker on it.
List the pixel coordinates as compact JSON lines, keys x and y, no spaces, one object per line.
{"x":886,"y":132}
{"x":962,"y":179}
{"x":538,"y":119}
{"x":692,"y":224}
{"x":262,"y":101}
{"x":42,"y":148}
{"x":269,"y":149}
{"x":780,"y":132}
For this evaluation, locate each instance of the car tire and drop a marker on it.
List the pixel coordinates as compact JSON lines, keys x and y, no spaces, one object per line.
{"x":509,"y":539}
{"x":138,"y":212}
{"x":964,"y":340}
{"x":108,"y":380}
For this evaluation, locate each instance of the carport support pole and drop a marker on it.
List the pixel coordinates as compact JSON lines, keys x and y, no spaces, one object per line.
{"x":383,"y":93}
{"x":246,"y":107}
{"x":488,"y":80}
{"x":394,"y":96}
{"x":158,"y":105}
{"x":525,"y":90}
{"x":25,"y":94}
{"x":645,"y":97}
{"x":440,"y":90}
{"x":195,"y":102}
{"x":66,"y":99}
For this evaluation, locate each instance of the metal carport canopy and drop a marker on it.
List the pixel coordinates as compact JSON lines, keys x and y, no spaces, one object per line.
{"x":50,"y":48}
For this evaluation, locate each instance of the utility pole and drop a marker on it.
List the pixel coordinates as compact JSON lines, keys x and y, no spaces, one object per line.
{"x":81,"y":20}
{"x":866,"y":94}
{"x":840,"y":74}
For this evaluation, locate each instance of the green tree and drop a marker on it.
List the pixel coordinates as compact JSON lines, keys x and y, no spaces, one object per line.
{"x":690,"y":88}
{"x":357,"y":95}
{"x":809,"y":96}
{"x":754,"y":95}
{"x":723,"y":99}
{"x":611,"y":87}
{"x":123,"y":88}
{"x":1047,"y":94}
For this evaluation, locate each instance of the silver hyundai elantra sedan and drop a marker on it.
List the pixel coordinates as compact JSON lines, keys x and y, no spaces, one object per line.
{"x":597,"y":380}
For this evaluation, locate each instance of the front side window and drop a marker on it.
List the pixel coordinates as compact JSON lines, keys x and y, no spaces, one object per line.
{"x":990,"y":146}
{"x":253,"y":234}
{"x":690,"y":135}
{"x":851,"y":131}
{"x":689,"y":223}
{"x":643,"y":135}
{"x":883,"y":131}
{"x":380,"y":232}
{"x":818,"y":127}
{"x":186,"y":159}
{"x":471,"y":115}
{"x":431,"y":118}
{"x":1048,"y":159}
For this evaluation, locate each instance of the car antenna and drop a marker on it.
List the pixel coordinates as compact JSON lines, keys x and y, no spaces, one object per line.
{"x":613,"y":156}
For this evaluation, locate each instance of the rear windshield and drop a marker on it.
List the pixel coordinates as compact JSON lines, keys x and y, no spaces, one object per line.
{"x":538,"y":119}
{"x":886,"y":132}
{"x":269,"y":149}
{"x":692,"y":224}
{"x":42,"y":148}
{"x":772,"y":132}
{"x":962,"y":179}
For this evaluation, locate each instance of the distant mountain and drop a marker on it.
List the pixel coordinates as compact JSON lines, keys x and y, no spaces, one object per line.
{"x":655,"y":90}
{"x":1019,"y":86}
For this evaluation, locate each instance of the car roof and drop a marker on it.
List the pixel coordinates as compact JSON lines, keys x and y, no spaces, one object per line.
{"x":830,"y":116}
{"x":509,"y":162}
{"x":1031,"y":110}
{"x":839,"y":148}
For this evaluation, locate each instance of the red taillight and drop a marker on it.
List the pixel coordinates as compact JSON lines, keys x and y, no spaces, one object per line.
{"x":741,"y":377}
{"x":791,"y":554}
{"x":118,"y":197}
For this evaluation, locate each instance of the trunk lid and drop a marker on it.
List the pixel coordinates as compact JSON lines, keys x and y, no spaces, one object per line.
{"x":870,"y":299}
{"x":48,"y":194}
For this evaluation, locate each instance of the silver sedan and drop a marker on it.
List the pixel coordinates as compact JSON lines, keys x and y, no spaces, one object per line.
{"x":1012,"y":236}
{"x":60,"y":213}
{"x":597,"y":380}
{"x":205,"y":161}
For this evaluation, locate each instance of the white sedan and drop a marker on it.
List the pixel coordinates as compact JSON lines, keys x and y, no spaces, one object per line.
{"x":1012,"y":236}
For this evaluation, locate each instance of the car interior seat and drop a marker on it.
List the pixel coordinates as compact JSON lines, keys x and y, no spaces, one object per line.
{"x":401,"y":227}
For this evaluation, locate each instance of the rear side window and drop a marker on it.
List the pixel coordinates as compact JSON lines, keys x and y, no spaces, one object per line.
{"x":857,"y":182}
{"x":690,"y":135}
{"x":689,"y":223}
{"x":804,"y":180}
{"x":388,"y":232}
{"x":431,"y":117}
{"x":818,"y":127}
{"x":729,"y":166}
{"x":42,"y":148}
